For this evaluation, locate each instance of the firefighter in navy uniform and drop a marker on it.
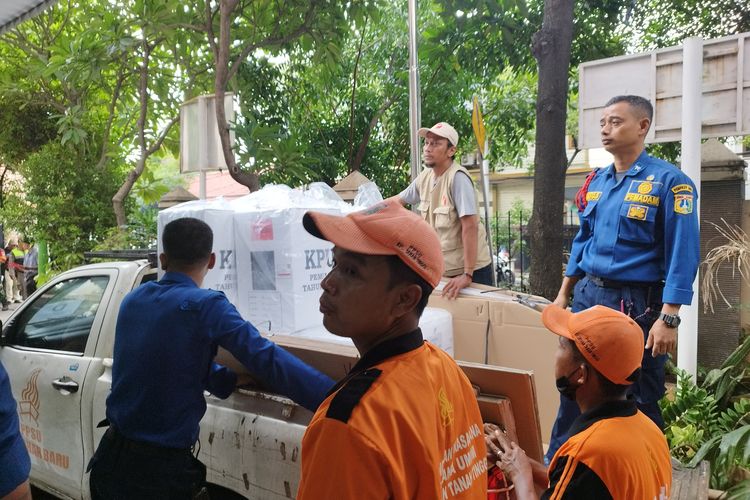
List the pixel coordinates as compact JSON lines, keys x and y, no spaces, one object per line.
{"x":637,"y":250}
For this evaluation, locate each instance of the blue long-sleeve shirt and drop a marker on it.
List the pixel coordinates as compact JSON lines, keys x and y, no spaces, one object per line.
{"x":643,"y":228}
{"x":15,"y":464}
{"x":167,"y":335}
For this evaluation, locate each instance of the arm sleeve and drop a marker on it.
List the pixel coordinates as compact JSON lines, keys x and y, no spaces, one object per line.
{"x":14,"y":459}
{"x":340,"y":462}
{"x":221,"y":381}
{"x":681,"y":241}
{"x":280,"y":370}
{"x":578,"y":481}
{"x":464,"y":196}
{"x":410,"y":195}
{"x":576,"y":251}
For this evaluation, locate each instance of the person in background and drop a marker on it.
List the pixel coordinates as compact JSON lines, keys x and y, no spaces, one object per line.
{"x":614,"y":451}
{"x":166,"y":338}
{"x":404,"y":423}
{"x":31,"y":269}
{"x":445,"y":196}
{"x":3,"y":297}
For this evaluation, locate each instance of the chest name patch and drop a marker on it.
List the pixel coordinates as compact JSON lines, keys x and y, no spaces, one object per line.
{"x":593,"y":195}
{"x":647,"y":199}
{"x":683,"y":204}
{"x":637,"y":212}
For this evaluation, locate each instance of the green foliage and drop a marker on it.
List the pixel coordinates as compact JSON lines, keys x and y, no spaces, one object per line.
{"x":140,"y":232}
{"x":711,"y":420}
{"x":68,"y":201}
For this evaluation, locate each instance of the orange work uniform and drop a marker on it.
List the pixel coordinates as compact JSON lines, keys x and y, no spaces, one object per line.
{"x":403,"y":424}
{"x":614,"y":451}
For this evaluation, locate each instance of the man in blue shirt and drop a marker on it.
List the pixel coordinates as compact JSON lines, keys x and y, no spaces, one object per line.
{"x":14,"y":459}
{"x":637,"y":250}
{"x":166,"y":337}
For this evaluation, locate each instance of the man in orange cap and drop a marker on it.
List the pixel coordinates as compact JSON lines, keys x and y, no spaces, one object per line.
{"x":614,"y":450}
{"x":404,"y":423}
{"x":445,"y":196}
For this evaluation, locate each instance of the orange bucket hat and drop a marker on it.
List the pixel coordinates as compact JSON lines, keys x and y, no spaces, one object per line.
{"x":609,"y":340}
{"x":386,"y":228}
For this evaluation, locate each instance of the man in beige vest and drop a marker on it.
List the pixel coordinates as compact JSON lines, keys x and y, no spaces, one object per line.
{"x":445,"y":196}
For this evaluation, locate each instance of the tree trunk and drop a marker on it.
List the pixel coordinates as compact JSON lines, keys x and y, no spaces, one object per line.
{"x":248,"y":179}
{"x":356,"y":162}
{"x":551,"y":48}
{"x":118,"y":200}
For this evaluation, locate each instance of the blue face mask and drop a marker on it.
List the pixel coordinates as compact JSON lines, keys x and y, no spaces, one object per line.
{"x":565,"y":387}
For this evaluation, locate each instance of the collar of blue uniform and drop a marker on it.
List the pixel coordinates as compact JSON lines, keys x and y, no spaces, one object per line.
{"x":381,"y":352}
{"x":637,"y":167}
{"x":177,"y":277}
{"x":610,"y":409}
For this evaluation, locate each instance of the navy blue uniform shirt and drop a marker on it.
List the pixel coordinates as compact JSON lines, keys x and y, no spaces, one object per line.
{"x":15,"y":464}
{"x":643,"y":228}
{"x":167,"y":335}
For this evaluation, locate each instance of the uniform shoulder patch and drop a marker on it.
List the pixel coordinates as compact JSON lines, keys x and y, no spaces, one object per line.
{"x":348,"y":397}
{"x":682,"y":188}
{"x":683,"y":204}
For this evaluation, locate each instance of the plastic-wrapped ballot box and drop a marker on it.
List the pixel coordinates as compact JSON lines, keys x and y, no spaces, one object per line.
{"x":279,"y":264}
{"x":436,"y":325}
{"x":218,"y":214}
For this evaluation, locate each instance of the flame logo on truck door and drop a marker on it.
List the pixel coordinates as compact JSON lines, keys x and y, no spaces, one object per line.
{"x":29,"y":402}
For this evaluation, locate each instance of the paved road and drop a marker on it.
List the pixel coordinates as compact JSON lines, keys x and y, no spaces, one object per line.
{"x":4,"y":315}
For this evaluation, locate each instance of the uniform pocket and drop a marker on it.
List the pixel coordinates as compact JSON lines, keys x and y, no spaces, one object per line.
{"x":443,"y":217}
{"x":637,"y":223}
{"x":424,"y":209}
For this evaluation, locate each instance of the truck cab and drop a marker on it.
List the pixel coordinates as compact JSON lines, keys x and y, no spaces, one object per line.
{"x":56,"y":354}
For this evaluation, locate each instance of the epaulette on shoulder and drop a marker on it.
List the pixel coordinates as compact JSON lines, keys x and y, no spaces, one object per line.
{"x":349,"y":396}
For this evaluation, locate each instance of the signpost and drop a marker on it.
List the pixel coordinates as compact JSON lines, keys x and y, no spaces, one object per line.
{"x":477,"y":123}
{"x":200,"y":146}
{"x":699,"y":89}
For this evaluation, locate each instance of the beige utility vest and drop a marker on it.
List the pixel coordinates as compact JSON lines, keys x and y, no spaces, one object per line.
{"x":438,"y":209}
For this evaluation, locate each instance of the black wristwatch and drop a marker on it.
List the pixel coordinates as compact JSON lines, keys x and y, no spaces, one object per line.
{"x":671,"y":320}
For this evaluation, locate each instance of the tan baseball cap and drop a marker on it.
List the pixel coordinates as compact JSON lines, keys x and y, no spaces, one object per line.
{"x":442,"y":129}
{"x":609,"y":340}
{"x":386,"y":228}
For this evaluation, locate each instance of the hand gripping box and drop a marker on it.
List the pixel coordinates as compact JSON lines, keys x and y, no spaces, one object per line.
{"x":218,"y":215}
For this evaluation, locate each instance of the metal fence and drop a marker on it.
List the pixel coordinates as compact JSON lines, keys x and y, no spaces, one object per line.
{"x":510,"y":238}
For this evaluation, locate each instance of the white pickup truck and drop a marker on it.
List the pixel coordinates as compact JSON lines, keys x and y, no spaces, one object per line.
{"x":57,"y":349}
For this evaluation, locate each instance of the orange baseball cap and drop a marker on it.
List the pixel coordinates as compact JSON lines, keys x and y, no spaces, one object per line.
{"x":386,"y":228}
{"x":609,"y":340}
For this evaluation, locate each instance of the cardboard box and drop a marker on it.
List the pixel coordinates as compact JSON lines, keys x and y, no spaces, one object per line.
{"x":494,"y":327}
{"x":494,"y":382}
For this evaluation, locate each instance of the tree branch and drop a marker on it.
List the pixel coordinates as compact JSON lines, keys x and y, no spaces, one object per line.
{"x":354,"y":93}
{"x":271,"y":40}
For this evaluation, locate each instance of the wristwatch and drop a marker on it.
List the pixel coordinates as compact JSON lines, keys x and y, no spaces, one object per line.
{"x":671,"y":320}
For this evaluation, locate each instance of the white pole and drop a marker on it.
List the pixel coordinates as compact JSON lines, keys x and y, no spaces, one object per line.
{"x":415,"y":104}
{"x":202,"y":185}
{"x":692,"y":80}
{"x":485,"y":177}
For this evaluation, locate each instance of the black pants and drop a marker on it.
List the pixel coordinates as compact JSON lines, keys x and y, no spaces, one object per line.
{"x":122,"y":469}
{"x":483,"y":275}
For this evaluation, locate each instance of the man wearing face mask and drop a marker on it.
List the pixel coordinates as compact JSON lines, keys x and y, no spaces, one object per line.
{"x":614,"y":450}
